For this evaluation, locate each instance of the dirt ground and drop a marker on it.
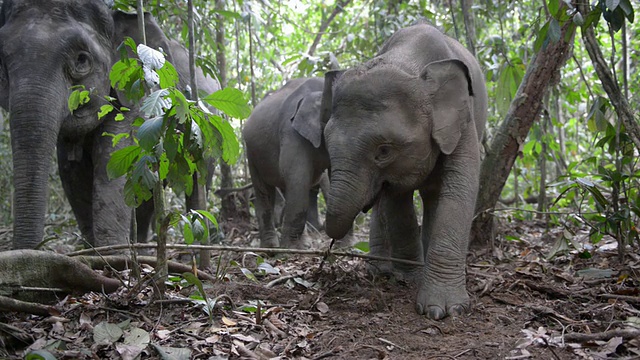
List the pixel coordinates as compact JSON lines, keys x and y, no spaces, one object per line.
{"x":578,"y":305}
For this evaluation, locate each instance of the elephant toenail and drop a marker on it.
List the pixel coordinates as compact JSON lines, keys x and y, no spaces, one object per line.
{"x":436,"y":313}
{"x":419,"y":309}
{"x":457,"y":310}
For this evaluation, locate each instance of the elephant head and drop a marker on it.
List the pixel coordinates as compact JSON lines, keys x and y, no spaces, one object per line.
{"x":47,"y":48}
{"x":386,"y":128}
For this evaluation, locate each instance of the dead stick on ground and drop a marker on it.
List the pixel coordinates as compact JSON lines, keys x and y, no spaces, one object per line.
{"x":245,"y":249}
{"x":603,"y":336}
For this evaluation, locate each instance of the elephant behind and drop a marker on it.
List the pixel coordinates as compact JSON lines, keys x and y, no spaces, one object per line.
{"x":285,"y":150}
{"x":46,"y":47}
{"x":410,"y":119}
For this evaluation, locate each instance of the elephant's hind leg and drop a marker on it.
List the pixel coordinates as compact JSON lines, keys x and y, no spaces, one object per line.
{"x":264,"y":204}
{"x":394,"y":232}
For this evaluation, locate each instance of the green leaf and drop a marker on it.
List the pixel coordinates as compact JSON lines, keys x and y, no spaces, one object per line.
{"x":39,"y":355}
{"x":168,"y":76}
{"x":155,"y":103}
{"x":209,"y":216}
{"x":121,"y":160}
{"x":149,"y":133}
{"x":362,"y":246}
{"x":554,"y":31}
{"x":554,"y":6}
{"x":230,"y":144}
{"x":78,"y":98}
{"x":142,"y":174}
{"x":249,"y":275}
{"x":230,"y":101}
{"x":104,"y":110}
{"x":186,"y":231}
{"x":541,"y":37}
{"x":193,"y":280}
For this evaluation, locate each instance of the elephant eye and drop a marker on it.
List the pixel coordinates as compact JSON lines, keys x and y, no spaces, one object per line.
{"x":82,"y":65}
{"x":384,"y":153}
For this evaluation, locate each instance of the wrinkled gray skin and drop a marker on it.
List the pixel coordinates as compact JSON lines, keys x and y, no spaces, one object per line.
{"x":411,"y":118}
{"x":46,"y":47}
{"x":284,"y":147}
{"x":313,"y":216}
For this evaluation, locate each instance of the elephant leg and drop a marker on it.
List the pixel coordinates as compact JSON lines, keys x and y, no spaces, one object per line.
{"x":144,"y":217}
{"x":443,"y":285}
{"x":394,"y":232}
{"x":76,"y":177}
{"x":278,"y":207}
{"x":264,"y":202}
{"x":295,"y":215}
{"x":111,"y":216}
{"x":313,"y":218}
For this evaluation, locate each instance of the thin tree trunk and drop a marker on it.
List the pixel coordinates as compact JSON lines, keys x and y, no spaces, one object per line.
{"x":469,"y":25}
{"x":524,"y":110}
{"x":340,"y":5}
{"x":619,"y":102}
{"x":228,"y":205}
{"x":198,"y":198}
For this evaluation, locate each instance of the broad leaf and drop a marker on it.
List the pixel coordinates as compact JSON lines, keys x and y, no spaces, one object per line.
{"x":151,"y":58}
{"x":155,"y":103}
{"x":230,"y":101}
{"x":121,"y":160}
{"x":149,"y":133}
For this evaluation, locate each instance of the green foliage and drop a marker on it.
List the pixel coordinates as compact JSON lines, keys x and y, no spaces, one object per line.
{"x":176,"y":138}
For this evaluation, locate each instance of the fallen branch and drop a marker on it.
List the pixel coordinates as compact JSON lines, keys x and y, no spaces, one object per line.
{"x":270,"y":251}
{"x":122,"y":262}
{"x":603,"y":336}
{"x":20,"y":269}
{"x":627,"y":298}
{"x":9,"y":304}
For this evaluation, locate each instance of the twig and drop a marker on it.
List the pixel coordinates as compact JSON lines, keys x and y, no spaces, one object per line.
{"x":325,"y":354}
{"x":244,"y":249}
{"x":603,"y":336}
{"x":392,"y":344}
{"x":627,"y":298}
{"x":280,"y":280}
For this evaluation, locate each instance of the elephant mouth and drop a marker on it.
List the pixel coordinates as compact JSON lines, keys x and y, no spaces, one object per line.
{"x":375,"y":199}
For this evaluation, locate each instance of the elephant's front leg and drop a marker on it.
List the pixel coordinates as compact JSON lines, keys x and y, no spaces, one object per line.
{"x":111,"y":216}
{"x":394,"y":232}
{"x":295,"y":213}
{"x":446,"y":225}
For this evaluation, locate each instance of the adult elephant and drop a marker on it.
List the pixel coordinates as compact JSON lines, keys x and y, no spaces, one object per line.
{"x":47,"y":47}
{"x":410,"y":118}
{"x":285,"y":150}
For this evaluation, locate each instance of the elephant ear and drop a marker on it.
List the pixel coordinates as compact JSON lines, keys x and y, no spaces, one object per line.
{"x":306,"y":118}
{"x":449,"y":84}
{"x":326,"y":105}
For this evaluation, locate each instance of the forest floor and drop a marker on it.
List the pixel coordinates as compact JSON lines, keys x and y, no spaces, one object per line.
{"x":579,"y":304}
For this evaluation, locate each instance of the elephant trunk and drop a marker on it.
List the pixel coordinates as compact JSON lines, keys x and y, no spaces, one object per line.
{"x":347,"y":197}
{"x":34,"y":131}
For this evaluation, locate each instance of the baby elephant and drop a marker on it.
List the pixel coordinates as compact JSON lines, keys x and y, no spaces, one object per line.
{"x":285,"y":150}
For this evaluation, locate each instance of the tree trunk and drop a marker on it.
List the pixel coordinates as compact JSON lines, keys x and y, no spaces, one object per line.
{"x":619,"y":102}
{"x":228,"y":204}
{"x":469,"y":25}
{"x":506,"y":143}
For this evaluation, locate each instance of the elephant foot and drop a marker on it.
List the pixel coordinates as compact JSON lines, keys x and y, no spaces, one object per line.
{"x":346,"y":242}
{"x":269,"y":243}
{"x":303,"y":242}
{"x":386,"y":269}
{"x":436,"y":300}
